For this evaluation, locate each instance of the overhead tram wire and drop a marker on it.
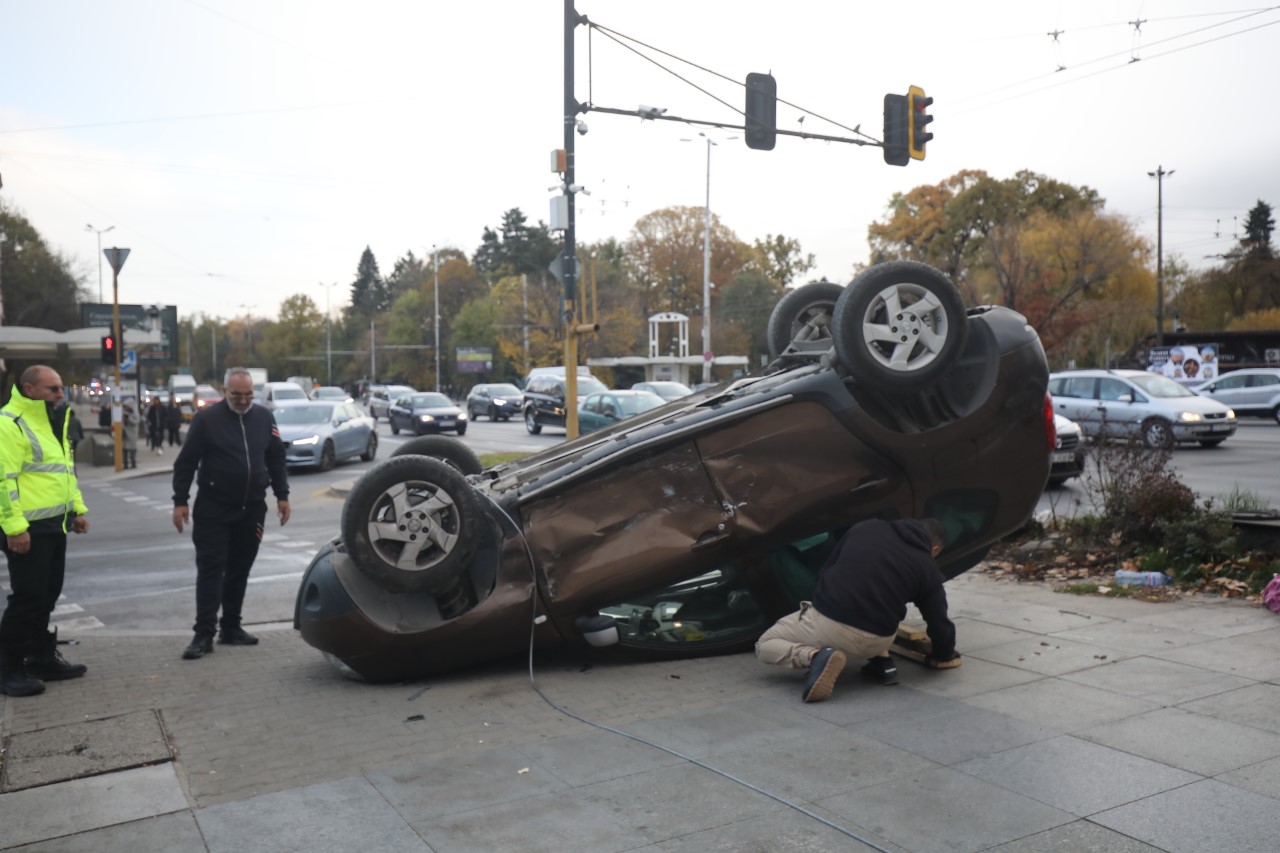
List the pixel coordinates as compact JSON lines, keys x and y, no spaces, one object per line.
{"x":1126,"y":64}
{"x":618,"y":37}
{"x":1124,"y":53}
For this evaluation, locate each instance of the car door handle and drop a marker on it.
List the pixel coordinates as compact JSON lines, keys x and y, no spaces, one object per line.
{"x":710,"y":537}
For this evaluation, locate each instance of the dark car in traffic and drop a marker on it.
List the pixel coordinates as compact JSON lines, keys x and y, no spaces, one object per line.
{"x":688,"y":529}
{"x":544,"y":399}
{"x":608,"y":408}
{"x":497,"y":401}
{"x":426,"y":412}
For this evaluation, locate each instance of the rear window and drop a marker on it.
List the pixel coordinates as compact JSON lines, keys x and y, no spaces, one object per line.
{"x":288,"y":394}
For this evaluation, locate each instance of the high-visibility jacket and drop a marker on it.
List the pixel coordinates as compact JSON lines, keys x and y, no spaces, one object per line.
{"x":38,"y":487}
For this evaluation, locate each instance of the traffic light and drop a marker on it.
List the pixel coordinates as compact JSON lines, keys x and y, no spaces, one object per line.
{"x":917,"y":136}
{"x":896,"y":130}
{"x":108,"y":349}
{"x":761,"y":123}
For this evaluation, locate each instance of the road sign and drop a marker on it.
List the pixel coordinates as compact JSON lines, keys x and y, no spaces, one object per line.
{"x":116,"y":257}
{"x":129,"y":361}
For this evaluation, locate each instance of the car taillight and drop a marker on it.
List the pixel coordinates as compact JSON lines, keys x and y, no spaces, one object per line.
{"x":1050,"y":431}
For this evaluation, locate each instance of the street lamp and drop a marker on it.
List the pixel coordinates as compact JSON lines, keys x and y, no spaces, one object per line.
{"x":99,"y":232}
{"x":435,"y":266}
{"x":1159,"y":174}
{"x":706,"y":264}
{"x":328,"y":333}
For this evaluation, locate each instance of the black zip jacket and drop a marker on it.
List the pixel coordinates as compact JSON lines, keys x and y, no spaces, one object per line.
{"x":878,"y":567}
{"x":237,"y":457}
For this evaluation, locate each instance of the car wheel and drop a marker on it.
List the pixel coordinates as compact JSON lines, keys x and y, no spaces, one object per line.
{"x":804,"y":315}
{"x":327,"y":458}
{"x":531,"y":422}
{"x":899,"y":325}
{"x":411,"y":524}
{"x":1157,"y":434}
{"x":462,"y":429}
{"x":1211,"y":442}
{"x":1275,"y":414}
{"x":450,"y":450}
{"x":493,"y":413}
{"x":395,"y":427}
{"x":370,"y":449}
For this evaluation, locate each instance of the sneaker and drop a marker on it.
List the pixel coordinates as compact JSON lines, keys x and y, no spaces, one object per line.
{"x":200,"y":646}
{"x":883,"y":670}
{"x":237,"y":636}
{"x":824,"y":669}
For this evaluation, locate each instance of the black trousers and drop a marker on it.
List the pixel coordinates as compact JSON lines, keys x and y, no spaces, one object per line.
{"x":35,"y":581}
{"x":225,"y":550}
{"x":174,"y":438}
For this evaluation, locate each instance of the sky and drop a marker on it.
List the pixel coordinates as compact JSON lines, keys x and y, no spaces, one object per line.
{"x":249,"y":151}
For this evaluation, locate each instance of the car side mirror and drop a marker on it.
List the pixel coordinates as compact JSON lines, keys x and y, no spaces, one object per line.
{"x":1125,"y":398}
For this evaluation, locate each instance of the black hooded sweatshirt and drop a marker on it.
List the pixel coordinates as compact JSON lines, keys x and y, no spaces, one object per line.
{"x":238,"y":456}
{"x":878,"y":567}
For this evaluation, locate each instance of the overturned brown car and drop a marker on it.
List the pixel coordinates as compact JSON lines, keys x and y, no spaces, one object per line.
{"x":690,"y":528}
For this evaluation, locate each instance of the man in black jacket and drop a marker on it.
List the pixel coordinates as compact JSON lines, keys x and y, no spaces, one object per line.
{"x":862,"y":594}
{"x":237,"y":449}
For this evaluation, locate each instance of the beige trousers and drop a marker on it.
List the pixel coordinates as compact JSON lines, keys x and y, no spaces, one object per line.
{"x":794,"y":639}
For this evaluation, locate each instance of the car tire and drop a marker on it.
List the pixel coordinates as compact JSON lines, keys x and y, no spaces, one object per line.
{"x":462,"y":430}
{"x":493,"y":414}
{"x":885,"y":340}
{"x":442,"y":447}
{"x":370,"y":449}
{"x":531,"y":422}
{"x":1211,"y":442}
{"x":803,"y":315}
{"x":327,"y":457}
{"x":395,"y":427}
{"x":1275,"y":414}
{"x":1157,"y":434}
{"x":432,"y":549}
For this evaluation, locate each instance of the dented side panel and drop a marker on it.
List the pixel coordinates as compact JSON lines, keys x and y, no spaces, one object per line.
{"x":632,"y":528}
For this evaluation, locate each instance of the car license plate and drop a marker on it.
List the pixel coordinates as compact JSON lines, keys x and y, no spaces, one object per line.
{"x":1219,"y":427}
{"x":446,"y":422}
{"x":1062,"y":456}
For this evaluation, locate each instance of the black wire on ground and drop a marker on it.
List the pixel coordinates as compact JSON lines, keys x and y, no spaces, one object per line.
{"x":533,"y":625}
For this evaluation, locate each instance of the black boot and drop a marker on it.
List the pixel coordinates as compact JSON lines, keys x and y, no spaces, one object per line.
{"x":14,"y":680}
{"x":48,"y":664}
{"x":200,"y":646}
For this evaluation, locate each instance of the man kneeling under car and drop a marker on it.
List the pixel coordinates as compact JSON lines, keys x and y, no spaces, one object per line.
{"x":862,"y":595}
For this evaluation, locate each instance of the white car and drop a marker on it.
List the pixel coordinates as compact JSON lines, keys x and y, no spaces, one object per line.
{"x":1250,"y":392}
{"x":1139,"y":404}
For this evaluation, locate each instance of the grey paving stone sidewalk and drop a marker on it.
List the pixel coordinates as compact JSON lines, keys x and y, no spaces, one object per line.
{"x":1074,"y":724}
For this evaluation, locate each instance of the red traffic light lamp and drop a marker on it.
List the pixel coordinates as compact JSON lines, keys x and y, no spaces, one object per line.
{"x":108,"y":349}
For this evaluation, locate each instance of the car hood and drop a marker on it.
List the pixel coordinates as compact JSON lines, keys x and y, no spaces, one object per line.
{"x":293,"y":432}
{"x":438,"y":411}
{"x":1199,"y":405}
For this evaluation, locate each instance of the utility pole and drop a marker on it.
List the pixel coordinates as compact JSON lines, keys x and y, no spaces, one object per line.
{"x":435,"y":275}
{"x":1159,"y":175}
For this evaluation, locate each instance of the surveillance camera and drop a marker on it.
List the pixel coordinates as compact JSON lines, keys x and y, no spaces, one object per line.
{"x":582,"y":127}
{"x":650,"y":112}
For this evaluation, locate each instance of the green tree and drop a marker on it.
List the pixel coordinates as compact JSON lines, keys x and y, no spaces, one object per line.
{"x":516,"y":247}
{"x":294,"y":344}
{"x":40,"y":288}
{"x":779,"y":259}
{"x":1258,"y":227}
{"x":368,"y":292}
{"x":746,"y":304}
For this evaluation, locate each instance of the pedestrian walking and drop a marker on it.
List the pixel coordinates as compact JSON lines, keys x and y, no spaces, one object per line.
{"x":39,"y":502}
{"x":233,"y":451}
{"x":173,"y":422}
{"x":155,"y":419}
{"x":75,"y":431}
{"x":862,"y":594}
{"x":129,"y":435}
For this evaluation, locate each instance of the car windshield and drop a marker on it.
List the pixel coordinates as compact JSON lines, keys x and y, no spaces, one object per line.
{"x":289,"y":394}
{"x":430,"y":401}
{"x":638,"y":403}
{"x":1160,"y":386}
{"x":590,"y":385}
{"x":330,"y":394}
{"x":503,"y":391}
{"x":303,"y":414}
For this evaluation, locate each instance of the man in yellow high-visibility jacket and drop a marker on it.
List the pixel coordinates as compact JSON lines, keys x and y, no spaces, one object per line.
{"x":39,"y":503}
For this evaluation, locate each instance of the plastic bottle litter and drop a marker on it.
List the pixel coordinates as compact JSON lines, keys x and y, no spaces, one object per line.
{"x":1127,"y":578}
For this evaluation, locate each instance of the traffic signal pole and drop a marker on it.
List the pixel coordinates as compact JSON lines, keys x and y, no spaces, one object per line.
{"x":117,"y":396}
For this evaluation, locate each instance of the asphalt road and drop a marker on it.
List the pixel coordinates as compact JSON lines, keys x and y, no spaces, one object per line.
{"x":135,"y":574}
